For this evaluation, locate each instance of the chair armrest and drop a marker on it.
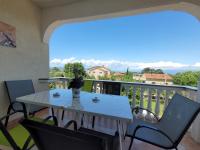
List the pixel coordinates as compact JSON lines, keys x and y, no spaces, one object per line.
{"x":140,"y":108}
{"x":152,"y":128}
{"x":72,"y":122}
{"x":54,"y":119}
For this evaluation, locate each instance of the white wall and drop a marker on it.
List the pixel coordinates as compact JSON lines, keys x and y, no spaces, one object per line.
{"x":30,"y":60}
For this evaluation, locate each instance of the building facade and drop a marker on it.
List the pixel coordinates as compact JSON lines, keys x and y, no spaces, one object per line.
{"x":99,"y":71}
{"x":151,"y":78}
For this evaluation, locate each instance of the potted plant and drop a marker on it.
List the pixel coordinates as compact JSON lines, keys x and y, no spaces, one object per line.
{"x":77,"y":82}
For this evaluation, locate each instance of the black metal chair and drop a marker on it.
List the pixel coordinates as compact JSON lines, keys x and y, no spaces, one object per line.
{"x":55,"y":138}
{"x":18,"y":88}
{"x":113,"y":88}
{"x":17,"y":136}
{"x":170,"y":129}
{"x":112,"y":141}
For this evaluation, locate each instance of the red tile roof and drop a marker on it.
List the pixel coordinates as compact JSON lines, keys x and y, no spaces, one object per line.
{"x":157,"y":76}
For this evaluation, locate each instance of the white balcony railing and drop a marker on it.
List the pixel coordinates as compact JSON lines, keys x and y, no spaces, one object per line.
{"x":153,"y":97}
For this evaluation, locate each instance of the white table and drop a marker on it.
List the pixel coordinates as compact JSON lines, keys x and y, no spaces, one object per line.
{"x":109,"y":106}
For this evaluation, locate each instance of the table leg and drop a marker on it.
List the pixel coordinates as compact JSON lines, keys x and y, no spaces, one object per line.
{"x":120,"y":134}
{"x":28,"y":107}
{"x":58,"y":114}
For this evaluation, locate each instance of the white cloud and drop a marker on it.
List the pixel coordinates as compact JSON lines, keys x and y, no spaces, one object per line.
{"x":197,"y":64}
{"x":121,"y":65}
{"x":56,"y":61}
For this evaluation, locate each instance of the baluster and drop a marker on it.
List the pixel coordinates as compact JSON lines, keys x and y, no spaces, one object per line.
{"x":127,"y":88}
{"x":142,"y":97}
{"x":167,"y":98}
{"x":101,"y":87}
{"x":134,"y":97}
{"x":95,"y":87}
{"x":57,"y":85}
{"x":63,"y":84}
{"x":149,"y":106}
{"x":141,"y":115}
{"x":157,"y":109}
{"x":193,"y":95}
{"x":179,"y":92}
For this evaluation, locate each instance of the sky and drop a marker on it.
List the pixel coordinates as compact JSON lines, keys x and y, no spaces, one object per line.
{"x":169,"y":40}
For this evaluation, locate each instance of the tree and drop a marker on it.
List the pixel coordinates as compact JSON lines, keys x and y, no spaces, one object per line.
{"x":127,"y":71}
{"x":128,"y":77}
{"x":69,"y":67}
{"x":151,"y":70}
{"x":56,"y":72}
{"x":188,"y":78}
{"x":56,"y":69}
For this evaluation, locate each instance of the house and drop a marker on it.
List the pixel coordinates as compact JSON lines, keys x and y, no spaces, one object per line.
{"x":152,"y":78}
{"x":99,"y":71}
{"x":118,"y":74}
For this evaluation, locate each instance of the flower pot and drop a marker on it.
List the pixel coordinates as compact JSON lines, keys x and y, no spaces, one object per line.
{"x":76,"y":93}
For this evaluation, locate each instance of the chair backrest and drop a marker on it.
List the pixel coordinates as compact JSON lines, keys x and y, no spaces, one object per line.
{"x":112,"y":88}
{"x":18,"y":88}
{"x":178,"y":116}
{"x":48,"y":137}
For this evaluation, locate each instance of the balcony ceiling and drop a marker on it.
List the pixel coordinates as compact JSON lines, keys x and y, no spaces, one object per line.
{"x":51,"y":3}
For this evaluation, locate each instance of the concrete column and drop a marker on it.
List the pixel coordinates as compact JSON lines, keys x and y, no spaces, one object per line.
{"x":195,"y":132}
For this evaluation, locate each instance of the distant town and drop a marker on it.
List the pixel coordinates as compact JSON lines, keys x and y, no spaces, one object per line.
{"x":147,"y":75}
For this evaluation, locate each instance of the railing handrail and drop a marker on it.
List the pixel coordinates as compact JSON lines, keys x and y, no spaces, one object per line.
{"x":182,"y":87}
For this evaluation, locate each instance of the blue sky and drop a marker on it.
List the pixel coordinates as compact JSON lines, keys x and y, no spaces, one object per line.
{"x":169,"y":40}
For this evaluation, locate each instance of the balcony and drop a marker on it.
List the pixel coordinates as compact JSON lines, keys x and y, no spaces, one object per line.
{"x":150,"y":96}
{"x":32,"y":22}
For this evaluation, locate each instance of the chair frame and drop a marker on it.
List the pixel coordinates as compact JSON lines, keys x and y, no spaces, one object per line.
{"x":11,"y":103}
{"x":74,"y":123}
{"x":30,"y":113}
{"x":29,"y":123}
{"x":4,"y":125}
{"x":174,"y":144}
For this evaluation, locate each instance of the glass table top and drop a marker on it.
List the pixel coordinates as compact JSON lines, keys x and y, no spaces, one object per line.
{"x":97,"y":104}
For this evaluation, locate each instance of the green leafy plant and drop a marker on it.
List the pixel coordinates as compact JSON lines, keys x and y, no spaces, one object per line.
{"x":77,"y":82}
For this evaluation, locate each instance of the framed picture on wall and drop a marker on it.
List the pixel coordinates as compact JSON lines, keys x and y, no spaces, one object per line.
{"x":7,"y":35}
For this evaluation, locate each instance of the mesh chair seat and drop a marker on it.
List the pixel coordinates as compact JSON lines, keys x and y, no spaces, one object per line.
{"x":19,"y":134}
{"x":151,"y":136}
{"x":131,"y":128}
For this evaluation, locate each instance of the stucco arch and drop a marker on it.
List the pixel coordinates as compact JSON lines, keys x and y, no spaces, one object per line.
{"x":51,"y":21}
